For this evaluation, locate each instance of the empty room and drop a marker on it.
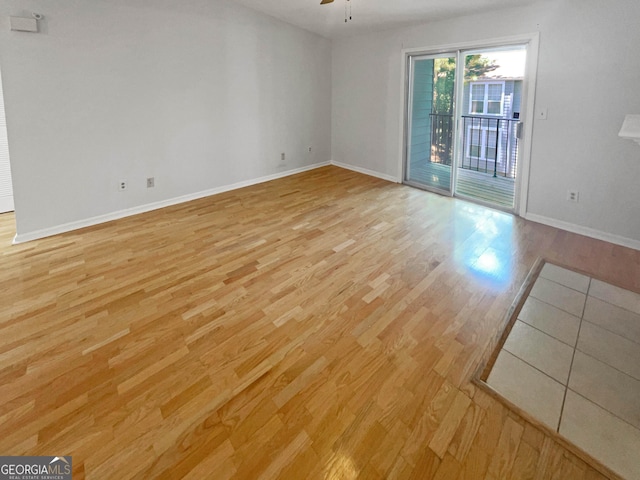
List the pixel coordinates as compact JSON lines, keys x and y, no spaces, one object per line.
{"x":300,"y":239}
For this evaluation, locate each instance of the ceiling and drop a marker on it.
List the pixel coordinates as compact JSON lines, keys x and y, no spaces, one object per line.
{"x":368,"y":15}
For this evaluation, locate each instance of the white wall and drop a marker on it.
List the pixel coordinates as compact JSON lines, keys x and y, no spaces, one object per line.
{"x":198,"y":94}
{"x":588,"y":77}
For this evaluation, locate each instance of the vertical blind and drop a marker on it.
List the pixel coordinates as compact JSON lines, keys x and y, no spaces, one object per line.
{"x":6,"y":189}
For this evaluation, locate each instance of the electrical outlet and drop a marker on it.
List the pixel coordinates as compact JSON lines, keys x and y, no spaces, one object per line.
{"x":542,"y":113}
{"x":309,"y":148}
{"x":122,"y":185}
{"x":573,"y":196}
{"x":282,"y":157}
{"x":151,"y":182}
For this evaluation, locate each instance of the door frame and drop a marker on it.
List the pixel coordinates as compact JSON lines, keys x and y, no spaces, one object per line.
{"x":409,"y":108}
{"x":532,"y":41}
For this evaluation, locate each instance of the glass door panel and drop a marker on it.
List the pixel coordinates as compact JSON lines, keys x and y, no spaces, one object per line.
{"x":430,"y":132}
{"x":489,"y":115}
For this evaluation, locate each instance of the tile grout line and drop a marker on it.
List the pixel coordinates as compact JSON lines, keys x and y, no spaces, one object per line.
{"x":608,"y":302}
{"x":611,"y":332}
{"x":567,"y":389}
{"x":532,"y":366}
{"x":558,"y":282}
{"x":605,"y":410}
{"x":611,"y":302}
{"x":575,"y":348}
{"x":546,"y":333}
{"x":599,"y":360}
{"x":586,"y":297}
{"x":504,"y":349}
{"x":555,"y":306}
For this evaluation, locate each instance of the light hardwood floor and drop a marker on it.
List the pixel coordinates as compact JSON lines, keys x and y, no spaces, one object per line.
{"x":325,"y":325}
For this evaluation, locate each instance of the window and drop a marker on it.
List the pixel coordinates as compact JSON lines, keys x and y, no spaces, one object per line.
{"x":482,"y":143}
{"x":477,"y":98}
{"x":486,"y":98}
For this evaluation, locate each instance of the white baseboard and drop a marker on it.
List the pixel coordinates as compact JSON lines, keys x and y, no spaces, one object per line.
{"x":89,"y":222}
{"x":586,"y":231}
{"x":366,"y":171}
{"x":552,"y":222}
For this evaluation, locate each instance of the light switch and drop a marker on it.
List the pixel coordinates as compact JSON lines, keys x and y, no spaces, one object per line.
{"x":542,"y":114}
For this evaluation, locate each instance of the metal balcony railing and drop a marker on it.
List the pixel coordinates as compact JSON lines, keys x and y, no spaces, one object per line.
{"x":489,"y":144}
{"x":441,"y":138}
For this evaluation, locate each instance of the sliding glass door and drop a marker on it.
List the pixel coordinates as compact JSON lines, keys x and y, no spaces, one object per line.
{"x":490,"y":109}
{"x":463,"y":123}
{"x":430,"y":134}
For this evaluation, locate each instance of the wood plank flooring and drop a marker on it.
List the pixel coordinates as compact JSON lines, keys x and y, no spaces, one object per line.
{"x":324,"y":325}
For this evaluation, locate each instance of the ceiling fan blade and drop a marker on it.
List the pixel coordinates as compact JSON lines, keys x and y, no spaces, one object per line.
{"x":324,"y":2}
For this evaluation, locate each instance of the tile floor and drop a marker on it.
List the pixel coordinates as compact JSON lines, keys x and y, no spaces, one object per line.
{"x":572,"y":360}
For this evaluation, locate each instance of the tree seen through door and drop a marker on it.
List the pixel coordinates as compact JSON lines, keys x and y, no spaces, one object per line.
{"x":443,"y":101}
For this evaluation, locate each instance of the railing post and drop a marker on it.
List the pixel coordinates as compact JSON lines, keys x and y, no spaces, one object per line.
{"x":495,"y":157}
{"x":474,"y":135}
{"x":479,"y":143}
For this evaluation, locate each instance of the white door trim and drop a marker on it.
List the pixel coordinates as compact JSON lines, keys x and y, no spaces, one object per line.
{"x":532,"y":40}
